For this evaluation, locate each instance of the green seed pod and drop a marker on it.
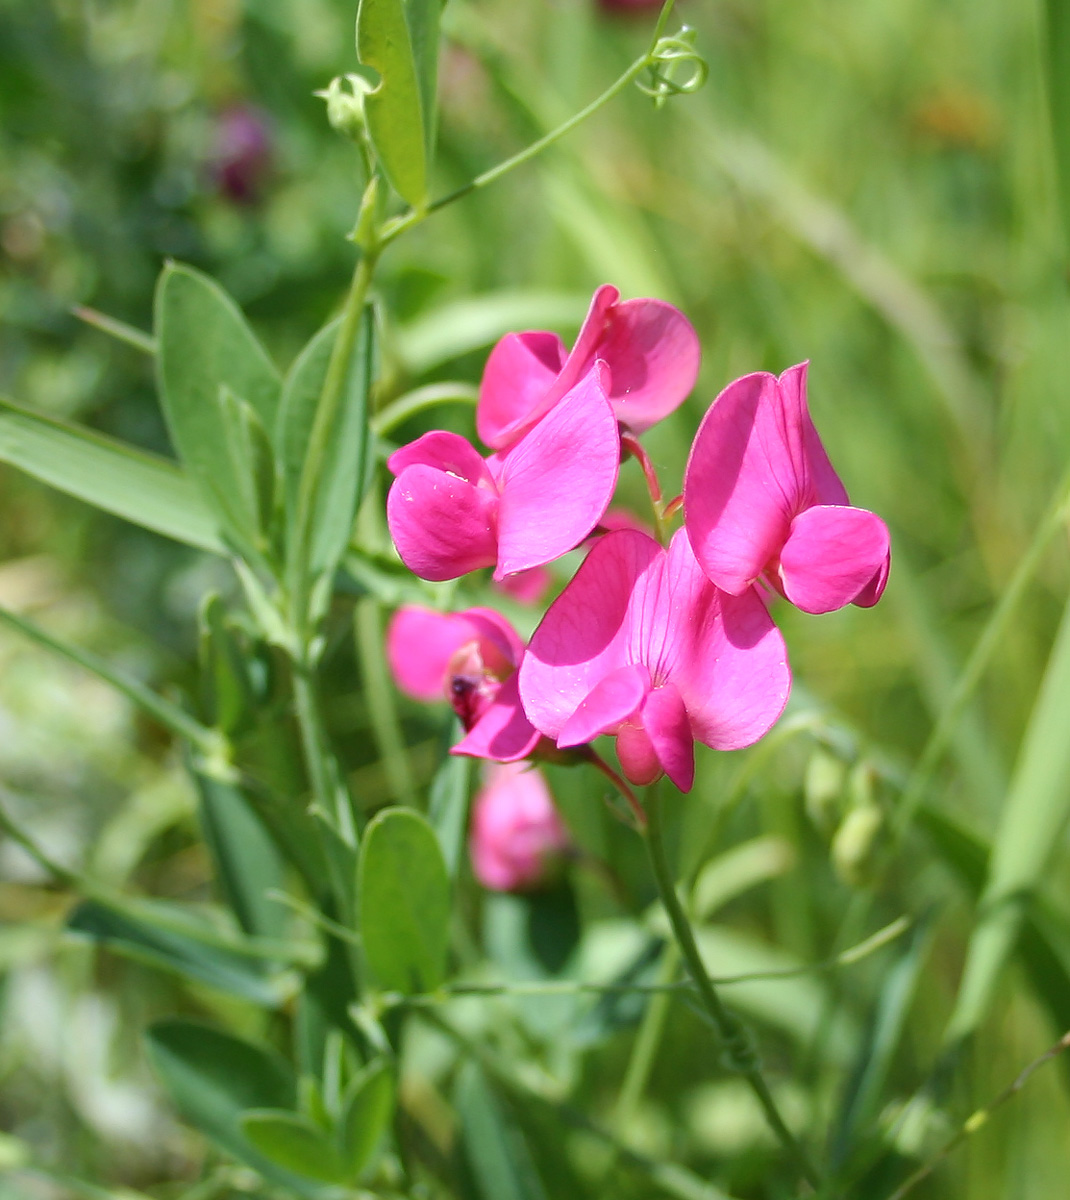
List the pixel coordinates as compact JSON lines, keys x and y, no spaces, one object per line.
{"x":824,"y":788}
{"x":854,"y":846}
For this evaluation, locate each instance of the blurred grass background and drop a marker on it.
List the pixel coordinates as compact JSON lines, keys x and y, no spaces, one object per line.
{"x":868,"y":184}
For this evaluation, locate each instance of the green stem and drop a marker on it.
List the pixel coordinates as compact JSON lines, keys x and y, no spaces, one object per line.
{"x":327,"y":788}
{"x":739,"y":1053}
{"x":210,"y":743}
{"x":420,"y":399}
{"x":323,"y":428}
{"x":407,"y":220}
{"x":647,"y":1040}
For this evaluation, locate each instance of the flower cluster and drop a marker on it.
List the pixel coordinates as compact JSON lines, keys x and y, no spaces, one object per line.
{"x":657,"y":645}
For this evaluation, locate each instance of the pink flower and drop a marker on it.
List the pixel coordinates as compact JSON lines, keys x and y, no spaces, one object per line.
{"x":516,"y":835}
{"x":761,"y":500}
{"x":649,"y":347}
{"x":470,"y":659}
{"x":450,"y":511}
{"x":641,"y":645}
{"x":526,"y":587}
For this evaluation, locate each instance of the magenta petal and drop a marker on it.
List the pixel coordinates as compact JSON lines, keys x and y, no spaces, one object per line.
{"x":447,"y":452}
{"x":558,"y":480}
{"x":746,"y":478}
{"x":638,"y":758}
{"x":832,"y":556}
{"x":442,"y":526}
{"x":612,"y":700}
{"x":489,"y":625}
{"x":583,"y":354}
{"x":518,"y":377}
{"x":653,"y":356}
{"x":669,"y":730}
{"x":503,"y":732}
{"x":727,"y":658}
{"x":585,"y":633}
{"x":826,"y":485}
{"x":419,"y":645}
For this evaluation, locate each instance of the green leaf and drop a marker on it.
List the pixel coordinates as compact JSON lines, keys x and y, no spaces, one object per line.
{"x":341,"y":479}
{"x":404,"y":902}
{"x":213,"y":1078}
{"x":367,"y":1108}
{"x":168,"y":937}
{"x":448,"y":808}
{"x":393,"y":110}
{"x":248,"y":862}
{"x":129,"y":483}
{"x":227,"y":695}
{"x":294,"y":1143}
{"x":423,"y":19}
{"x":496,"y":1151}
{"x":252,"y":467}
{"x":1030,"y":826}
{"x":209,"y":364}
{"x":1058,"y":64}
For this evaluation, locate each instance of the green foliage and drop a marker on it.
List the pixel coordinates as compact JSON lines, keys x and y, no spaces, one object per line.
{"x":403,"y":896}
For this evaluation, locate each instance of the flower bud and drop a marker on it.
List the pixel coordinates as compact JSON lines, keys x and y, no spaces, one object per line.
{"x":517,"y":839}
{"x":823,"y":788}
{"x":345,"y":108}
{"x":855,"y":845}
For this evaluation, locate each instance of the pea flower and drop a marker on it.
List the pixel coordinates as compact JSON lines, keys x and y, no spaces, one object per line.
{"x":641,"y":645}
{"x":761,"y":501}
{"x":517,"y":838}
{"x":470,"y":659}
{"x":650,"y":349}
{"x":451,"y":511}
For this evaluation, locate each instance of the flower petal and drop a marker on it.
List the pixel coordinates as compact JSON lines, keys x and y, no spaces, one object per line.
{"x":443,"y":527}
{"x":559,"y":479}
{"x":447,"y":452}
{"x":637,"y":756}
{"x":419,"y":645}
{"x":669,"y":730}
{"x":747,"y":476}
{"x":516,"y":831}
{"x":653,"y":356}
{"x":585,"y":633}
{"x":826,"y":485}
{"x":723,"y":654}
{"x":519,"y":375}
{"x":834,"y":555}
{"x":612,"y":700}
{"x":503,"y":733}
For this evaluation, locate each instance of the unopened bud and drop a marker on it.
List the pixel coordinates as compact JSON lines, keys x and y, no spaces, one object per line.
{"x":823,"y":789}
{"x":855,"y":845}
{"x":345,"y":106}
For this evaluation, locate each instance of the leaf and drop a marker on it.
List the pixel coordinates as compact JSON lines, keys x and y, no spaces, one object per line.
{"x":213,"y":1078}
{"x":367,"y":1108}
{"x":404,"y":902}
{"x":448,"y":808}
{"x":168,"y":937}
{"x":294,"y":1143}
{"x":119,"y":479}
{"x":393,"y":110}
{"x":341,"y":480}
{"x":1030,"y":826}
{"x":227,"y":695}
{"x":496,"y":1151}
{"x":423,"y":20}
{"x":209,"y":362}
{"x":248,"y":862}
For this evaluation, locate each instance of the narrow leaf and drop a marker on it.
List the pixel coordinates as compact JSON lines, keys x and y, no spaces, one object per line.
{"x":119,"y":479}
{"x":393,"y":110}
{"x":1033,"y":818}
{"x":208,"y":359}
{"x":404,"y":902}
{"x":166,"y":937}
{"x":293,"y":1143}
{"x":213,"y":1078}
{"x":367,"y":1108}
{"x":448,"y":808}
{"x":497,"y":1153}
{"x":423,"y":20}
{"x":1058,"y":66}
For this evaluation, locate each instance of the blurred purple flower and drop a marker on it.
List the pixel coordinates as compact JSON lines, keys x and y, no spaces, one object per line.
{"x":242,"y":153}
{"x":517,"y":837}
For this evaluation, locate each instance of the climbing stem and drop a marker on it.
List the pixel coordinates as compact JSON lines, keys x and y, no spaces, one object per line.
{"x":739,"y":1053}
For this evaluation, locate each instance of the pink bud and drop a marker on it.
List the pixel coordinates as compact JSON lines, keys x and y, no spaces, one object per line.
{"x":517,"y":838}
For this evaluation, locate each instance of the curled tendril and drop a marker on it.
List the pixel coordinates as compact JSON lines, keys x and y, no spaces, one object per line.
{"x":667,"y":57}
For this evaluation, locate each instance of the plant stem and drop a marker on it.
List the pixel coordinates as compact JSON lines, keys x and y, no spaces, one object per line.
{"x":322,"y":430}
{"x":407,"y":220}
{"x":739,"y":1053}
{"x":209,"y":742}
{"x":420,"y":399}
{"x":327,"y":788}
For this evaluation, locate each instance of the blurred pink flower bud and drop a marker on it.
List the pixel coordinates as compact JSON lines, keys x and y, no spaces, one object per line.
{"x":517,"y":838}
{"x":242,"y":153}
